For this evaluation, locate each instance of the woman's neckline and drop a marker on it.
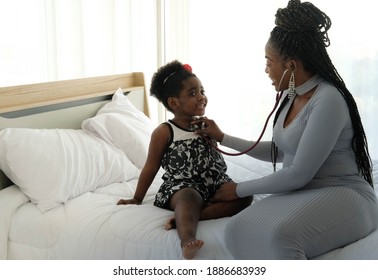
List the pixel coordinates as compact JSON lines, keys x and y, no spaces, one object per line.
{"x":308,"y":85}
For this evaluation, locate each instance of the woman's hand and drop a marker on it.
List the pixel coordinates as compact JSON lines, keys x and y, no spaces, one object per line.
{"x":208,"y":128}
{"x":128,"y":201}
{"x":227,"y":192}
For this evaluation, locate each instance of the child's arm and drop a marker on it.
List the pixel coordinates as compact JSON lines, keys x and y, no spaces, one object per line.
{"x":158,"y":144}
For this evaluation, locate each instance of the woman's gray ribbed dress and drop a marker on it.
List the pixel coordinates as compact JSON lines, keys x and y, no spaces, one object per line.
{"x":319,"y":200}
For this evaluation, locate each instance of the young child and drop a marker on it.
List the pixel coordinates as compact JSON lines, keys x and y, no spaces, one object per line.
{"x":193,"y":169}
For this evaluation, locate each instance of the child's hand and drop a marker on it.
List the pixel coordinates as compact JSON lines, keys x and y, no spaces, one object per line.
{"x":128,"y":201}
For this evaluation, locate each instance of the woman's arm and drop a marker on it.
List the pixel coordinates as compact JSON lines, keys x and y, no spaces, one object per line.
{"x":328,"y":115}
{"x":262,"y":151}
{"x":210,"y":129}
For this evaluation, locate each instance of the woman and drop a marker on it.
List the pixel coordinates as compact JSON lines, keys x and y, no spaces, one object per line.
{"x":323,"y":197}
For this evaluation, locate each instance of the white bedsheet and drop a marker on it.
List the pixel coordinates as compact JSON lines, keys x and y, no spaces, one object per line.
{"x":92,"y":226}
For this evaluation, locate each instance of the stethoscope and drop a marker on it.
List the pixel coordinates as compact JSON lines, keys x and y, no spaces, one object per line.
{"x":278,"y":98}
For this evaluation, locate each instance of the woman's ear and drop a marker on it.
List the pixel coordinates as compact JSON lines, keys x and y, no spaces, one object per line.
{"x":291,"y":65}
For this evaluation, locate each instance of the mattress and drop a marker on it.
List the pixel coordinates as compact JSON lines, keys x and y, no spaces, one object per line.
{"x":92,"y":226}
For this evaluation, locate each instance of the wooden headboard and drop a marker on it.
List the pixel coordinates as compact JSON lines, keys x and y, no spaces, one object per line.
{"x":65,"y":104}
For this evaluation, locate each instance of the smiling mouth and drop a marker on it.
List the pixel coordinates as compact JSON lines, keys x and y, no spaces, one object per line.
{"x":273,"y":82}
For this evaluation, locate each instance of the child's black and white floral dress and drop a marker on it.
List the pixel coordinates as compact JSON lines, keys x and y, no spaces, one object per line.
{"x":190,"y":162}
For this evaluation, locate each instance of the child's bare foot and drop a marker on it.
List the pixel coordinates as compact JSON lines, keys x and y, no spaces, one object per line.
{"x":171,"y":224}
{"x":190,"y":249}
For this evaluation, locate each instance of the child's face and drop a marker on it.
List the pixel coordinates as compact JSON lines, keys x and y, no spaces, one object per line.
{"x":192,"y":100}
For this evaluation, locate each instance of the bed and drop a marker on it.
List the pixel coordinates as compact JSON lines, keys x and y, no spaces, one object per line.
{"x":69,"y":150}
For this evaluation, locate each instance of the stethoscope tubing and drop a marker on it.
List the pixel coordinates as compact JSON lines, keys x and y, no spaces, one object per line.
{"x":278,"y":98}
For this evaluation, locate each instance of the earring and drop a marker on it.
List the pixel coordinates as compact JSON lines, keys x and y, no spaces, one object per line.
{"x":291,"y":90}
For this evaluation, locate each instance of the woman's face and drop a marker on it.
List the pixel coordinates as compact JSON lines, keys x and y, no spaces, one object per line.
{"x":275,"y":68}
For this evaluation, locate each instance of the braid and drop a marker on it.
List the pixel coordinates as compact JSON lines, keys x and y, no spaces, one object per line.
{"x":301,"y":32}
{"x":274,"y":149}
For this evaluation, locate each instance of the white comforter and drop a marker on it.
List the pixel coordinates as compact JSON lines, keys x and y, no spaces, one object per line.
{"x":92,"y":226}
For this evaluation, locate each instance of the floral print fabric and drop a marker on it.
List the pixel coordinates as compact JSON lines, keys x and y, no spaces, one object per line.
{"x":191,"y":163}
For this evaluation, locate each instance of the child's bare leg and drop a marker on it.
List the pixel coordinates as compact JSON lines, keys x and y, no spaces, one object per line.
{"x":217,"y":210}
{"x":187,"y":204}
{"x":225,"y":208}
{"x":171,"y":223}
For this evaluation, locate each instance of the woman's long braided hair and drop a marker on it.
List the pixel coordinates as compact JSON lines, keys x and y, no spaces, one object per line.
{"x":301,"y":32}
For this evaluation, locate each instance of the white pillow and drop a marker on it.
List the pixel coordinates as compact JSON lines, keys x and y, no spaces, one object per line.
{"x":54,"y":165}
{"x":119,"y":122}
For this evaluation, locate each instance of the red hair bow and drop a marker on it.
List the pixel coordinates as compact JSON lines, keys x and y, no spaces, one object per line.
{"x":187,"y":67}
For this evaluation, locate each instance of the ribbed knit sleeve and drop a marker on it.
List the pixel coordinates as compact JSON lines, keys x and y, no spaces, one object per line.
{"x":316,"y":146}
{"x":261,"y":151}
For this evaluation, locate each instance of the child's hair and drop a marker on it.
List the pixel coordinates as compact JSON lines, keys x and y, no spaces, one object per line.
{"x":167,"y":81}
